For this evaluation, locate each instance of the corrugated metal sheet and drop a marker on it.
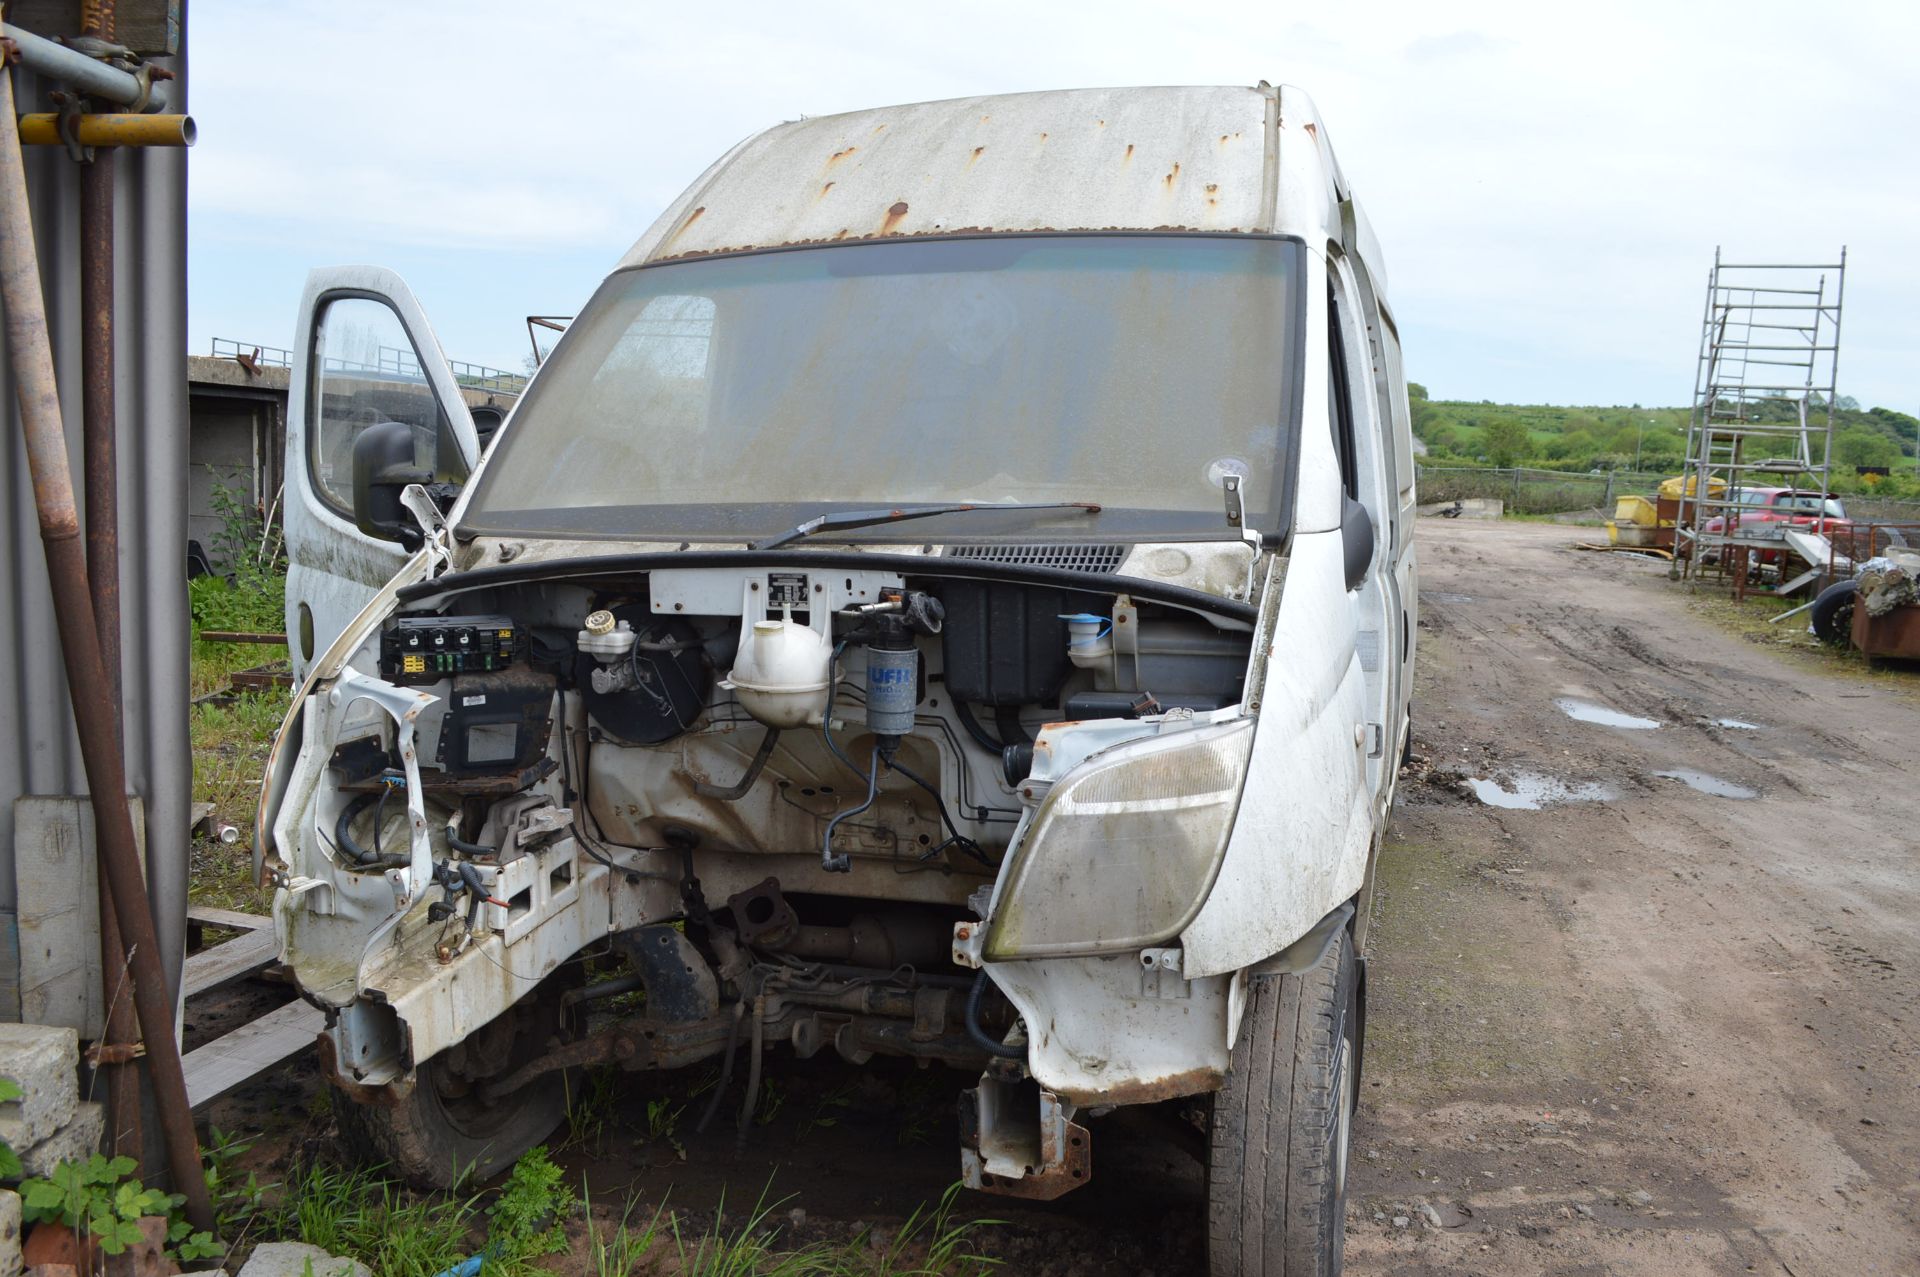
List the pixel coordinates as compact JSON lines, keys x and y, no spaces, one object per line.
{"x":1081,"y":159}
{"x":40,"y":754}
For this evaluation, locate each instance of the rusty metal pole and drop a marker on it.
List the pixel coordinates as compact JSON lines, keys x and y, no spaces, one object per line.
{"x":31,"y":358}
{"x":117,"y":1050}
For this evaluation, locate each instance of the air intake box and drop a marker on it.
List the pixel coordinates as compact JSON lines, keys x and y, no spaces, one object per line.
{"x":1006,"y":644}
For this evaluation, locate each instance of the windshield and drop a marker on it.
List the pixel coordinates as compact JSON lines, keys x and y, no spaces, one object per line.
{"x":736,"y":396}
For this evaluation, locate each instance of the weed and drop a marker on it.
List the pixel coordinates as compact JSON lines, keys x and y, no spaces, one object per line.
{"x":590,"y":1109}
{"x":832,"y":1107}
{"x":10,"y":1168}
{"x":253,"y":594}
{"x":772,"y":1100}
{"x":237,"y":1201}
{"x":101,"y":1203}
{"x":929,"y":1244}
{"x":527,"y":1219}
{"x":621,"y":1253}
{"x":747,"y":1251}
{"x":230,"y":746}
{"x":948,"y":1245}
{"x":356,"y":1213}
{"x":663,"y":1118}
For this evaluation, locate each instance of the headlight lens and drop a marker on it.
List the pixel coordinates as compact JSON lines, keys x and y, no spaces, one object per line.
{"x":1123,"y":851}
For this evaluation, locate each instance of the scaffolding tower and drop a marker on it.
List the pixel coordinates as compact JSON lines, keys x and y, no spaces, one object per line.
{"x":1763,"y":397}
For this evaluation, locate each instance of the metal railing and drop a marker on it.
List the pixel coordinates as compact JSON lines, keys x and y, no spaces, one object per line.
{"x":386,"y":361}
{"x":1528,"y":491}
{"x":265,"y":356}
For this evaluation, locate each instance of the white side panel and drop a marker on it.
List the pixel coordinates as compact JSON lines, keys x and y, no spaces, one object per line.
{"x":1096,"y":1037}
{"x":1299,"y":846}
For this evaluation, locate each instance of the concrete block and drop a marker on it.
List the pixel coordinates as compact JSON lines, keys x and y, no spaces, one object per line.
{"x":58,"y":908}
{"x":290,"y":1259}
{"x":9,"y":1233}
{"x":75,"y":1142}
{"x":45,"y":1061}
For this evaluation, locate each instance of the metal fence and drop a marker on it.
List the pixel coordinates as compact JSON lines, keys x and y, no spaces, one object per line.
{"x":1528,"y":491}
{"x":391,"y":361}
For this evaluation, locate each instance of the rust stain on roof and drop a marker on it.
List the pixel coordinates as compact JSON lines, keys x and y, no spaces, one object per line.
{"x":1129,"y":155}
{"x":975,"y":157}
{"x":837,"y":156}
{"x":1312,"y":132}
{"x":824,"y":190}
{"x":894,"y":217}
{"x":691,"y":218}
{"x":1172,"y":177}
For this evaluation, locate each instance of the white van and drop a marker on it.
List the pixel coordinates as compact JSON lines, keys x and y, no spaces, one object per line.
{"x":949,"y":594}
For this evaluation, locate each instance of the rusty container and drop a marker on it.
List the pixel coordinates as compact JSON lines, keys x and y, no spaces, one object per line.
{"x":1897,"y":634}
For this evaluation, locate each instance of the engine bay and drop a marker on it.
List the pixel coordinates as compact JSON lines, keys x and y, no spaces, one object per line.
{"x":845,"y":717}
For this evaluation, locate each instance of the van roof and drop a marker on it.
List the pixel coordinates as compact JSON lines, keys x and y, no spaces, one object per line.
{"x":1195,"y":159}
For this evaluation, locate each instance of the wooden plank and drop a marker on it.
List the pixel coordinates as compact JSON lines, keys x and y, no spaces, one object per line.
{"x":243,"y":636}
{"x":241,"y":956}
{"x":232,"y":919}
{"x":259,"y":677}
{"x":250,"y":1050}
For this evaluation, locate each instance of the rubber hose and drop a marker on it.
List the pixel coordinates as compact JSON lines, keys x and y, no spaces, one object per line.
{"x":758,"y":1050}
{"x":980,"y":1036}
{"x":726,"y":1069}
{"x":460,"y":844}
{"x":964,"y":712}
{"x":739,"y":788}
{"x":343,"y":837}
{"x":1007,"y":719}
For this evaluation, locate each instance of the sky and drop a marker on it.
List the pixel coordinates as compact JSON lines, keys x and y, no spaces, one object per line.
{"x":1549,"y":182}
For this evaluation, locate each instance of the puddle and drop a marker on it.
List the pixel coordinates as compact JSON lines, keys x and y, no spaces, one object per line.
{"x":1530,"y":791}
{"x":1737,"y":725}
{"x":1709,"y":784}
{"x":1442,"y":596}
{"x":1588,"y":712}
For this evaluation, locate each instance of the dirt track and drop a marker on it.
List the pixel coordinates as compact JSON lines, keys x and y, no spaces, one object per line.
{"x":1661,"y":1033}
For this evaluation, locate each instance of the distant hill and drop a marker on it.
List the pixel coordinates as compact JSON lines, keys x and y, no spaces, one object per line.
{"x":1581,"y":439}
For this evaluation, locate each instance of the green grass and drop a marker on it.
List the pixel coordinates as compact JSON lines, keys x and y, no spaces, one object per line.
{"x":357,"y":1213}
{"x":620,"y":1251}
{"x":230,"y":745}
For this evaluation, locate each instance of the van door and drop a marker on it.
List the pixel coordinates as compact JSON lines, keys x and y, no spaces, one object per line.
{"x":1359,"y":441}
{"x":363,"y":353}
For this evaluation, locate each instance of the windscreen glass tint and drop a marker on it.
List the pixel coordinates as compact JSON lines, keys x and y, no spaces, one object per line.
{"x":735,"y":396}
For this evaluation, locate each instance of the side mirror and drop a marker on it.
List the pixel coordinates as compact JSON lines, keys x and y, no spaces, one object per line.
{"x":1356,"y":537}
{"x":383,"y":465}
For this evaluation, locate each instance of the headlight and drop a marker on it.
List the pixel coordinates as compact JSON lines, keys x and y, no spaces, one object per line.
{"x":1124,"y":849}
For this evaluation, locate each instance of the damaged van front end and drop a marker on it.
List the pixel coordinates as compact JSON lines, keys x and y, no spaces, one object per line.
{"x":986,"y":647}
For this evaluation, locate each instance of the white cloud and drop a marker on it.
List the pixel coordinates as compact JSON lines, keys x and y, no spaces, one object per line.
{"x":1549,"y":182}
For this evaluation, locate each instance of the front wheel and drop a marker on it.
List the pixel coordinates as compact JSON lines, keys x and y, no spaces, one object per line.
{"x":1281,"y":1126}
{"x":444,"y":1132}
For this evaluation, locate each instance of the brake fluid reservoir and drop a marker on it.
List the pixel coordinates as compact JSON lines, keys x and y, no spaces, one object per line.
{"x":780,"y":673}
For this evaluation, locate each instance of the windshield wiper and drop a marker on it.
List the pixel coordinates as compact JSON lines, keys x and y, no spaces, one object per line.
{"x":868,"y":518}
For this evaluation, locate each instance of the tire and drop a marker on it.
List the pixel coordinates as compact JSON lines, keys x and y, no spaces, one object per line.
{"x":1833,"y":612}
{"x":439,"y":1133}
{"x":1281,"y":1126}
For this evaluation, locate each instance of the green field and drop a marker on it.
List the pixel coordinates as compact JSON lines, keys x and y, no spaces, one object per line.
{"x":1581,"y":439}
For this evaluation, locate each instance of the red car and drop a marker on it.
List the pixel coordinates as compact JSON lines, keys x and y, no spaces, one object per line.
{"x":1766,"y":512}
